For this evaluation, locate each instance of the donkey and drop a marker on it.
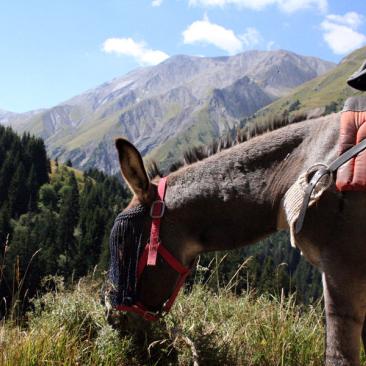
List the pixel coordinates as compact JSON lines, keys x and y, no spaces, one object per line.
{"x":235,"y":198}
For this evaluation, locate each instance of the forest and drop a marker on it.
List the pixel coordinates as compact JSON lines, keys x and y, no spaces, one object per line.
{"x":55,"y":220}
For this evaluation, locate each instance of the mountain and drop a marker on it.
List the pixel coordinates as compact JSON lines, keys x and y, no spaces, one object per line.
{"x":184,"y":100}
{"x":6,"y":117}
{"x":323,"y":94}
{"x":17,"y":119}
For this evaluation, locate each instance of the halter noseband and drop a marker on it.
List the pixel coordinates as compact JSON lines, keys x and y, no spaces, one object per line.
{"x":149,"y":257}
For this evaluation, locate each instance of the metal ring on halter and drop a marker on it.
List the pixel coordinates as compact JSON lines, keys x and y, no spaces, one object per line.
{"x":320,"y":166}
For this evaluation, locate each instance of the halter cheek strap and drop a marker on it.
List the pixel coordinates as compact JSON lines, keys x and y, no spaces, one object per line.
{"x":156,"y":212}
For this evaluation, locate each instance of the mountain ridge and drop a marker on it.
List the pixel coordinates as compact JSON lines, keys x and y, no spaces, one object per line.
{"x":324,"y":94}
{"x":196,"y":97}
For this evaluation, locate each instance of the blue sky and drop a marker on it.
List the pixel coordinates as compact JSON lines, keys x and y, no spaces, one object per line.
{"x":53,"y":50}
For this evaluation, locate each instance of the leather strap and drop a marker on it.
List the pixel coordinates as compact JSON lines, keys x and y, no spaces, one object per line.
{"x":307,"y":195}
{"x":156,"y":212}
{"x":140,"y":310}
{"x":347,"y":155}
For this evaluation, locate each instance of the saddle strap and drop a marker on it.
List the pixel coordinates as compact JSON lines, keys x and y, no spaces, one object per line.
{"x":347,"y":155}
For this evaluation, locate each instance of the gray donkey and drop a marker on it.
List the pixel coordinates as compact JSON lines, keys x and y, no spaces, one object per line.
{"x":235,"y":198}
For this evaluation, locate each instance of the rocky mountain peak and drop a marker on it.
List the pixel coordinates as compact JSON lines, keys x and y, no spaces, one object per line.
{"x":183,"y":100}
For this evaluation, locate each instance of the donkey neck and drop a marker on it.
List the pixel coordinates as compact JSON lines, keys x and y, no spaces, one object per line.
{"x":228,"y":200}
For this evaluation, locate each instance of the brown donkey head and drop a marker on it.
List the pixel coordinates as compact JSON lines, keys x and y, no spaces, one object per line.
{"x":144,"y":289}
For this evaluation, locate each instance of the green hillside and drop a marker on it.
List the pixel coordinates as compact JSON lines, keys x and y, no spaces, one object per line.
{"x":327,"y":91}
{"x":199,"y":133}
{"x":61,"y":172}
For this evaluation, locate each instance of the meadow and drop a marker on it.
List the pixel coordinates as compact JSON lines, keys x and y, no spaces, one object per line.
{"x":68,"y":326}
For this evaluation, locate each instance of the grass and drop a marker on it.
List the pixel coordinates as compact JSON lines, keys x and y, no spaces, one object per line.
{"x":199,"y":133}
{"x":249,"y":330}
{"x":64,"y":328}
{"x":68,"y":327}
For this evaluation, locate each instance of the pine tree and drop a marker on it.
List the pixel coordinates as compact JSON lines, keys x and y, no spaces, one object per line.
{"x":36,"y":149}
{"x":22,"y":257}
{"x":68,"y":220}
{"x":267,"y":282}
{"x":18,"y":195}
{"x":45,"y":233}
{"x":75,"y":199}
{"x":5,"y":227}
{"x":32,"y":187}
{"x":6,"y":174}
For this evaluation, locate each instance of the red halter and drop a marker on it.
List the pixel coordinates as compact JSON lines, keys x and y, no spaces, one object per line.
{"x":149,"y":257}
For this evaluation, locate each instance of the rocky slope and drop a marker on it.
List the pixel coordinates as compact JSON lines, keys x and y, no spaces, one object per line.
{"x":184,"y":100}
{"x":6,"y":117}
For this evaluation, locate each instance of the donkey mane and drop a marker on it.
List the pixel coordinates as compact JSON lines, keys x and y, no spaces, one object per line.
{"x":226,"y":141}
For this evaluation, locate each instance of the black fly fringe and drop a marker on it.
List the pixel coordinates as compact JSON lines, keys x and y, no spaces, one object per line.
{"x":125,"y":249}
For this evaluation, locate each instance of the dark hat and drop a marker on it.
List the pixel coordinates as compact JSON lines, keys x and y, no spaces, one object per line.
{"x":358,"y":79}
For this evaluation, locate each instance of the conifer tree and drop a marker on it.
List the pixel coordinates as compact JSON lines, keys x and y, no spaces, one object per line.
{"x":5,"y":228}
{"x":45,"y":232}
{"x":67,"y":222}
{"x":37,"y":151}
{"x":18,"y":194}
{"x":23,"y":267}
{"x":32,"y":186}
{"x":6,"y":174}
{"x":267,"y":280}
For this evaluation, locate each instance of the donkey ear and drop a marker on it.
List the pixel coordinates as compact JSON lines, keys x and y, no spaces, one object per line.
{"x":133,"y":169}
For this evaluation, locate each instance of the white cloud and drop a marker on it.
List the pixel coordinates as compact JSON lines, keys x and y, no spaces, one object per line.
{"x":271,"y":45}
{"x":137,"y":50}
{"x":250,"y":38}
{"x":203,"y":31}
{"x":351,"y":19}
{"x":156,"y":2}
{"x":288,"y":6}
{"x":340,"y":32}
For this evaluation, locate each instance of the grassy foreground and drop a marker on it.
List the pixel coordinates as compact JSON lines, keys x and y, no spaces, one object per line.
{"x":68,"y":327}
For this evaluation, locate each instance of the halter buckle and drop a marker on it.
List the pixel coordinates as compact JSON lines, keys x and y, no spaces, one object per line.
{"x":157,"y":209}
{"x":151,"y":315}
